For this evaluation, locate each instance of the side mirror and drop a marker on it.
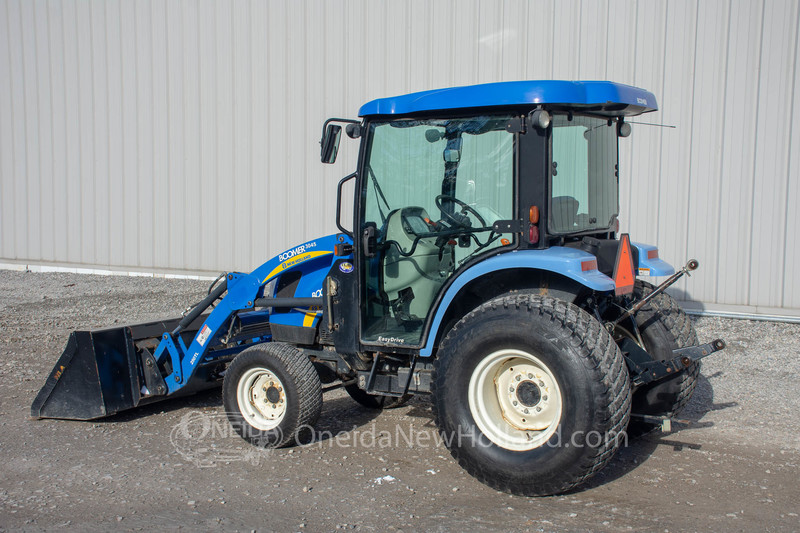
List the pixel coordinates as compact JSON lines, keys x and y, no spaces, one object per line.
{"x":330,"y":143}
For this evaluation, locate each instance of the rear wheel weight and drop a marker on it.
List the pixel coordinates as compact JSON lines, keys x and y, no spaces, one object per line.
{"x":571,"y":360}
{"x":272,"y":394}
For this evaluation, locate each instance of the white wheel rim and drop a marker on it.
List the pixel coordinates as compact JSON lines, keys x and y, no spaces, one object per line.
{"x":262,"y":398}
{"x":515,"y":400}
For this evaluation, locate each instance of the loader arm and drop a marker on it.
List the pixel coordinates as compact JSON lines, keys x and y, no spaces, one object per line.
{"x":103,"y":372}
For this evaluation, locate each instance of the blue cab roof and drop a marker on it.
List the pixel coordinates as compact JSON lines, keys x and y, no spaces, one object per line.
{"x":603,"y":97}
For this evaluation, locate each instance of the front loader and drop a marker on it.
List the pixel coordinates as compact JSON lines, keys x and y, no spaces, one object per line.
{"x":483,"y":264}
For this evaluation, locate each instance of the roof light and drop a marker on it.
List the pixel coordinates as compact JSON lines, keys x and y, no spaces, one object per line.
{"x":539,"y":119}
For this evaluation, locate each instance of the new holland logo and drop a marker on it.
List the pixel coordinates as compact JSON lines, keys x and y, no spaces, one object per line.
{"x":346,"y":267}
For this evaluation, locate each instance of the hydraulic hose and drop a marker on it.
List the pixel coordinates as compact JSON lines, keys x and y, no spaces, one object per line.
{"x":202,"y":306}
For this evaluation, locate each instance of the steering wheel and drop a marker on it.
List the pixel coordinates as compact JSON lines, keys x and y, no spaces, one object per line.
{"x":465,"y":208}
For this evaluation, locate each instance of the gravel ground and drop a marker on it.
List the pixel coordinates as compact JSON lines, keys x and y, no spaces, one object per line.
{"x":176,"y":465}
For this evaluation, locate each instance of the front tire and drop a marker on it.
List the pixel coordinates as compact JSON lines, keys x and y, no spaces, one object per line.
{"x":531,"y":394}
{"x":272,"y":394}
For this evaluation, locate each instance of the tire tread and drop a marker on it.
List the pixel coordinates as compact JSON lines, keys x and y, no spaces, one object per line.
{"x":600,"y":356}
{"x":305,"y":377}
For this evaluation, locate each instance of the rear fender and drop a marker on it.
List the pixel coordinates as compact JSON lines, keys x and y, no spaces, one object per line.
{"x":651,"y":266}
{"x":577,"y":265}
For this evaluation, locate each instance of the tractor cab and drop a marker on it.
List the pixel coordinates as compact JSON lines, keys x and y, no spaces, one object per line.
{"x":444,"y":183}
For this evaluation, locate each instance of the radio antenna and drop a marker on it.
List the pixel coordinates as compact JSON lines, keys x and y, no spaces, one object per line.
{"x":651,"y":124}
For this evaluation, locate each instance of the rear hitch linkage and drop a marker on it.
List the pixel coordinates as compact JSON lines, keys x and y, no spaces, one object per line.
{"x":644,"y":370}
{"x":691,"y":265}
{"x":642,"y":367}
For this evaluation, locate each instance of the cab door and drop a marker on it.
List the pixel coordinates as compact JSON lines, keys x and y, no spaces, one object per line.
{"x":431,"y":189}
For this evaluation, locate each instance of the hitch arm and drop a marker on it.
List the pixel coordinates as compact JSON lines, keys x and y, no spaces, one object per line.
{"x":644,"y":370}
{"x":690,"y":266}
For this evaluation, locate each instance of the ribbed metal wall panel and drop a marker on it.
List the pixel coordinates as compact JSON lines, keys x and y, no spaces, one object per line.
{"x":182,"y":136}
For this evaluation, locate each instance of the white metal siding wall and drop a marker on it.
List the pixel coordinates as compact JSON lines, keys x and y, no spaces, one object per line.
{"x":183,"y":135}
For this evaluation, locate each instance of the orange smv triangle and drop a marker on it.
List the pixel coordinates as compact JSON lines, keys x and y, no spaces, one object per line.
{"x":623,"y":268}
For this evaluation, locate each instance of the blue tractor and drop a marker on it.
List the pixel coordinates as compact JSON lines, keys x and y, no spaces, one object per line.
{"x":483,"y":264}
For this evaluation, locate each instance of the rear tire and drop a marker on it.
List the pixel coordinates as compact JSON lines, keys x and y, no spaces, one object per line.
{"x":664,"y":327}
{"x":272,"y":395}
{"x":554,"y":356}
{"x":375,"y":401}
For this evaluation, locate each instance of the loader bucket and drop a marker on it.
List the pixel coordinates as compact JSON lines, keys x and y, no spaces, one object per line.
{"x":96,"y":376}
{"x":102,"y":372}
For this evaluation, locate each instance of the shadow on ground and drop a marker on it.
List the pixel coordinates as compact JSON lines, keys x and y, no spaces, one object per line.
{"x":644,"y":439}
{"x":341,"y":414}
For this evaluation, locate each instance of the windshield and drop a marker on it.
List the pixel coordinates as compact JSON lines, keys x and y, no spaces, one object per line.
{"x":447,"y":167}
{"x":584,"y":188}
{"x":413,"y":161}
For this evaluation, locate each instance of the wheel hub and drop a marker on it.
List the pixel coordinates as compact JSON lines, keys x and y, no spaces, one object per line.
{"x":273,"y":394}
{"x":262,"y":398}
{"x":515,"y":399}
{"x":528,"y":393}
{"x":524,"y":392}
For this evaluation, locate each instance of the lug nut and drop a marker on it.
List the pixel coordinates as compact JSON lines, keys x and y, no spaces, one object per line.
{"x":538,"y":409}
{"x":515,"y":402}
{"x":517,"y":378}
{"x":541,"y":383}
{"x":530,"y":376}
{"x":544,"y":398}
{"x":525,"y":411}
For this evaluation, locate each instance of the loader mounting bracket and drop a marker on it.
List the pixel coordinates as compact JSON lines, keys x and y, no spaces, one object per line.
{"x":152,"y":376}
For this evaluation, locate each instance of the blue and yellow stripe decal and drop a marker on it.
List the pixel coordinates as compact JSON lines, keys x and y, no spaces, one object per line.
{"x":294,"y":261}
{"x":310,"y":316}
